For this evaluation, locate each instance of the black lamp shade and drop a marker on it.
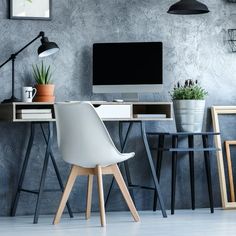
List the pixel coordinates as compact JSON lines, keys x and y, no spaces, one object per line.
{"x":47,"y":48}
{"x":188,"y":7}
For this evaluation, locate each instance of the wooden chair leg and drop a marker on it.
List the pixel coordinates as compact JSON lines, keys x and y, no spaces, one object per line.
{"x":89,"y":196}
{"x":66,"y":193}
{"x":121,"y":183}
{"x":101,"y":196}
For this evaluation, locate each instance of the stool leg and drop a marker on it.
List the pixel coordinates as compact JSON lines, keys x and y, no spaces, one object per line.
{"x":23,"y":171}
{"x":158,"y":166}
{"x":191,"y":165}
{"x":174,"y":170}
{"x":208,"y":171}
{"x":44,"y":172}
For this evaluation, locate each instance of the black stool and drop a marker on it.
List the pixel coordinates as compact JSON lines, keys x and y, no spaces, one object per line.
{"x":206,"y":149}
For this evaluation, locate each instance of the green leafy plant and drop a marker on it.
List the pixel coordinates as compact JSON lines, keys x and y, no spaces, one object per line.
{"x":191,"y":90}
{"x":29,"y":1}
{"x":42,"y":74}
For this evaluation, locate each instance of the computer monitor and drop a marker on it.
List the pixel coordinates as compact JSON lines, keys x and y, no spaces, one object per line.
{"x":127,"y":67}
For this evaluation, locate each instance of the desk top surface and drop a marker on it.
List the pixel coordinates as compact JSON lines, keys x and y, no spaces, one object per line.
{"x":8,"y":111}
{"x":93,"y":102}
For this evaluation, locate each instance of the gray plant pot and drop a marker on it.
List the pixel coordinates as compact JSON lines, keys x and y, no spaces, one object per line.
{"x":189,"y":115}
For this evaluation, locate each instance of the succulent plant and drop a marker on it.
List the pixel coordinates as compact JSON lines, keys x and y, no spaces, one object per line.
{"x":42,"y":75}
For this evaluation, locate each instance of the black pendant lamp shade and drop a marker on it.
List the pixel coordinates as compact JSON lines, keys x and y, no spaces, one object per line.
{"x":47,"y":48}
{"x":188,"y":7}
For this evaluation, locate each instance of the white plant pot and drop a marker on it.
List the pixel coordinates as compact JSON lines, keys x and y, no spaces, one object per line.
{"x":189,"y":115}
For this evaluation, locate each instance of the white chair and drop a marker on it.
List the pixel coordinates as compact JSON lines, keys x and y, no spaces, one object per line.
{"x":86,"y":144}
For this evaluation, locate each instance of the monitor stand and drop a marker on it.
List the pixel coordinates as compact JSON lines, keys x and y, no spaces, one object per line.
{"x":130,"y":97}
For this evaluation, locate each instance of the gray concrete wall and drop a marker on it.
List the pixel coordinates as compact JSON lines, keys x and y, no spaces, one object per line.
{"x":195,"y":47}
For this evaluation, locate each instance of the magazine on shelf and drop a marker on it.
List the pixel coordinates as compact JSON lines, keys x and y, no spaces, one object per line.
{"x":150,"y":116}
{"x":33,"y":111}
{"x":34,"y":116}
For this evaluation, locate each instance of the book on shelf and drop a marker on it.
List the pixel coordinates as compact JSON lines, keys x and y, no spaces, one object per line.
{"x":34,"y":116}
{"x":33,"y":111}
{"x":160,"y":116}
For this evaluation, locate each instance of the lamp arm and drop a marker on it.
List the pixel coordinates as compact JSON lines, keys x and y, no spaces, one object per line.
{"x":13,"y":56}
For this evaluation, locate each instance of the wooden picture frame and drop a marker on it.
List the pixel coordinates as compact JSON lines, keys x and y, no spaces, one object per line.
{"x":229,"y":143}
{"x":30,"y":9}
{"x":215,"y":112}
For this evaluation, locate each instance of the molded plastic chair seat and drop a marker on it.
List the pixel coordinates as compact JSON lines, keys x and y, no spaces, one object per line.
{"x":86,"y":144}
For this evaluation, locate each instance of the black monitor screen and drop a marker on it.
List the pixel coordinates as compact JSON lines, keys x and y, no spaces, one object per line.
{"x":127,"y":63}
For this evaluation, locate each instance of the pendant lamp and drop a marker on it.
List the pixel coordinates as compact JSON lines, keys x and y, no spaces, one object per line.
{"x":188,"y":7}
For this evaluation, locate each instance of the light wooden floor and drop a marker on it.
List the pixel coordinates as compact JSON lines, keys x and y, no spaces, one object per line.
{"x":183,"y":223}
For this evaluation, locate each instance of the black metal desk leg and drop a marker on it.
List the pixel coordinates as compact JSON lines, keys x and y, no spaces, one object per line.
{"x":174,"y":167}
{"x":208,"y":171}
{"x":153,"y":172}
{"x":123,"y":146}
{"x":23,"y":171}
{"x":191,"y":165}
{"x":44,"y":172}
{"x":158,"y":166}
{"x":126,"y":164}
{"x":57,"y":171}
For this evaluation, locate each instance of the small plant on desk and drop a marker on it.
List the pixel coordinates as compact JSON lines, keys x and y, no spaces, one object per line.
{"x":43,"y":78}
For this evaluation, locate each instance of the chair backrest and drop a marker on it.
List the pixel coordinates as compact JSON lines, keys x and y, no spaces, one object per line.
{"x":82,"y":136}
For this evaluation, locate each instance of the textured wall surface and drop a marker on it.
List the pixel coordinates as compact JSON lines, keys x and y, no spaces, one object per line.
{"x":194,"y":47}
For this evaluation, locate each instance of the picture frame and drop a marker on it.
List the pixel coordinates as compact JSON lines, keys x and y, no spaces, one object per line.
{"x":228,"y":144}
{"x":215,"y":112}
{"x":31,"y":9}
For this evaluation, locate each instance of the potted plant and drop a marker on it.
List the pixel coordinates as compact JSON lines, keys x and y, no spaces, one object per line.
{"x":189,"y":105}
{"x":44,"y":86}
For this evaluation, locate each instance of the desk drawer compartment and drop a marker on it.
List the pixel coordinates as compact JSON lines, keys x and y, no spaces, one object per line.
{"x":114,"y":111}
{"x":149,"y":110}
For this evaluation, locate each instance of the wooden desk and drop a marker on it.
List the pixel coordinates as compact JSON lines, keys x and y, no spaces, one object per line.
{"x":8,"y":112}
{"x":140,"y":112}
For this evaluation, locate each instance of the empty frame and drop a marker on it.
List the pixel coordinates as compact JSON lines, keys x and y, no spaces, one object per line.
{"x":215,"y":112}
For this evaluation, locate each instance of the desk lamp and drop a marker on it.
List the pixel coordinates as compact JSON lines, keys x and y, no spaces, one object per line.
{"x":46,"y":48}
